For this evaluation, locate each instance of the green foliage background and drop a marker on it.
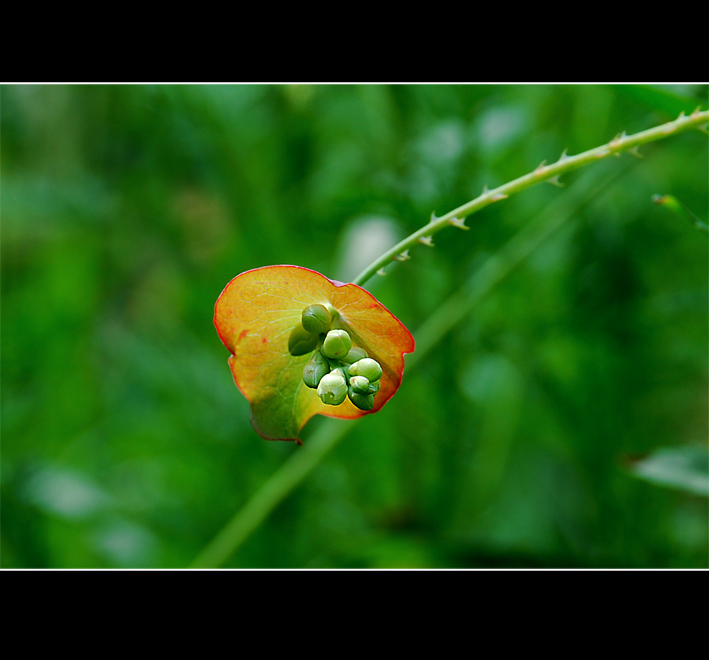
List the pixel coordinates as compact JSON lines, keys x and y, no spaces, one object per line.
{"x":519,"y":441}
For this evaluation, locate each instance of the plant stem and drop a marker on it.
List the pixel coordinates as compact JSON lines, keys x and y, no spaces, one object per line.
{"x":275,"y":489}
{"x":452,"y":311}
{"x":446,"y":316}
{"x":565,"y":164}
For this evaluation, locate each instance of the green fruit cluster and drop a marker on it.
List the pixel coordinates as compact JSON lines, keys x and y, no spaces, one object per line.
{"x":337,"y":370}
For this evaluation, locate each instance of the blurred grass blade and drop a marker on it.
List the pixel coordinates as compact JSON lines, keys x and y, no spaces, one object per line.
{"x":681,"y":468}
{"x":674,"y":205}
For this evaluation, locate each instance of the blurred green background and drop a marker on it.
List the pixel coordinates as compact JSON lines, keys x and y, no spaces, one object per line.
{"x":563,"y":423}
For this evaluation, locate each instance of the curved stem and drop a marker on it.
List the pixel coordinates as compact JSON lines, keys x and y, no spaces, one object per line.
{"x":301,"y":463}
{"x":282,"y":482}
{"x":544,"y":172}
{"x":293,"y":471}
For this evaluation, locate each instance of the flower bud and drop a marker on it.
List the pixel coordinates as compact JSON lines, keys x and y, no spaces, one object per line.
{"x":315,"y":369}
{"x":359,"y":384}
{"x":332,"y":389}
{"x":337,"y":344}
{"x":367,"y":367}
{"x":362,"y":401}
{"x":355,"y":354}
{"x":301,"y":341}
{"x":316,"y":319}
{"x":374,"y":387}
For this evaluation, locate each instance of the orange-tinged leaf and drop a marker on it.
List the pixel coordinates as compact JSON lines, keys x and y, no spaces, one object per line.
{"x":254,"y":317}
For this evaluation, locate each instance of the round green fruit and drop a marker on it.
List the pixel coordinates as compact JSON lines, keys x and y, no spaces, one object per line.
{"x":337,"y":344}
{"x":316,"y":319}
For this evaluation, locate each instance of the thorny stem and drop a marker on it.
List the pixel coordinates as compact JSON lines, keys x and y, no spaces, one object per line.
{"x":616,"y":146}
{"x":449,"y":313}
{"x":301,"y":463}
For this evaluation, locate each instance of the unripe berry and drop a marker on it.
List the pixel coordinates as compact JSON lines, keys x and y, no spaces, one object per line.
{"x":359,"y":384}
{"x":367,"y":367}
{"x":337,"y":344}
{"x":332,"y":389}
{"x":300,"y":341}
{"x":354,"y":354}
{"x":362,"y":401}
{"x":316,"y":319}
{"x":315,"y":369}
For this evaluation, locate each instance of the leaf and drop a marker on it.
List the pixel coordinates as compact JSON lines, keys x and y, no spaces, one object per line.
{"x":683,"y":468}
{"x":254,"y":317}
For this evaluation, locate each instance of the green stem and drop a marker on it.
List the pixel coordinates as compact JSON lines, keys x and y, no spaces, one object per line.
{"x":544,"y":172}
{"x":285,"y":479}
{"x":446,"y":316}
{"x":529,"y":238}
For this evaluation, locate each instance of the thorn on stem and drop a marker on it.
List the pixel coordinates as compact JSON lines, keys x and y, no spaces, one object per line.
{"x":564,"y":156}
{"x":497,"y":197}
{"x":541,"y":167}
{"x":433,"y":218}
{"x":381,"y":272}
{"x":426,"y":240}
{"x":634,"y":151}
{"x":617,"y":140}
{"x":457,"y":222}
{"x":555,"y":181}
{"x":404,"y":256}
